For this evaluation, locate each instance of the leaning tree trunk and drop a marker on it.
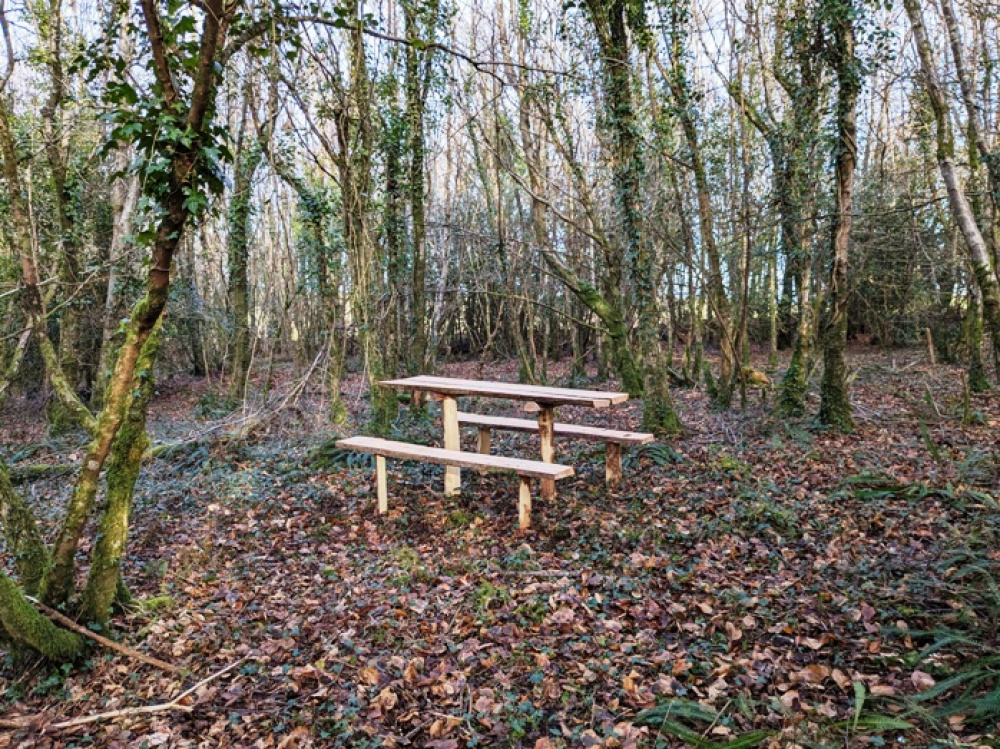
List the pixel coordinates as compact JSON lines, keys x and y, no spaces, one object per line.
{"x":20,"y":622}
{"x":961,"y":210}
{"x":679,"y":86}
{"x":32,"y":301}
{"x":59,"y":581}
{"x":124,"y":464}
{"x":62,"y":415}
{"x":835,"y":403}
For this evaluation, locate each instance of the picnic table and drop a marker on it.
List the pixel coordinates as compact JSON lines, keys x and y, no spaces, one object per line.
{"x":448,"y":390}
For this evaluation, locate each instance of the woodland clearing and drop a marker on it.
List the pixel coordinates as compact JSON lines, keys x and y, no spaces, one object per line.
{"x":753,"y":575}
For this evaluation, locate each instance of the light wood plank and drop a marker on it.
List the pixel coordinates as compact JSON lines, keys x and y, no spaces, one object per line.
{"x":512,"y":391}
{"x":484,"y":443}
{"x":381,"y":483}
{"x":452,"y":474}
{"x":509,"y":424}
{"x":546,"y":420}
{"x":407,"y":451}
{"x":524,"y":504}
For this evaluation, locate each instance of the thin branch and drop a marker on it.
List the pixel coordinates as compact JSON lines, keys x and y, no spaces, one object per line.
{"x":68,"y":623}
{"x":175,"y":704}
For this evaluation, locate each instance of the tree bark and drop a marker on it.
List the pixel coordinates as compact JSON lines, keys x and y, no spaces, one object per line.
{"x":124,"y":464}
{"x":835,"y":404}
{"x":961,"y":210}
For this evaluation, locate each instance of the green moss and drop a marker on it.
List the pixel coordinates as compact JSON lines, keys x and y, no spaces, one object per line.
{"x":794,"y":385}
{"x":125,"y":462}
{"x":658,"y":414}
{"x":21,"y":534}
{"x":25,"y":626}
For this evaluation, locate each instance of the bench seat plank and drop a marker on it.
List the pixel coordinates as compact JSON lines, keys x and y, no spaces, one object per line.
{"x":540,"y":394}
{"x":407,"y":451}
{"x":566,"y":430}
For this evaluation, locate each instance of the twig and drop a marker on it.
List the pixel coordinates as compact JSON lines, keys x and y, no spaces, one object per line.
{"x":536,"y":573}
{"x":124,"y":650}
{"x":174,"y":704}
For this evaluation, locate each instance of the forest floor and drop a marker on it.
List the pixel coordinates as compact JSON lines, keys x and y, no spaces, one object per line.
{"x":754,"y":575}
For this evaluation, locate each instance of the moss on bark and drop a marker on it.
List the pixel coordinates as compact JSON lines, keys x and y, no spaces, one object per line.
{"x":658,"y":414}
{"x":26,"y":627}
{"x":21,"y":534}
{"x":124,"y":465}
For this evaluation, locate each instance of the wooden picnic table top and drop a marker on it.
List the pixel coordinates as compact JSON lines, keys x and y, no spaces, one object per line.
{"x":545,"y":396}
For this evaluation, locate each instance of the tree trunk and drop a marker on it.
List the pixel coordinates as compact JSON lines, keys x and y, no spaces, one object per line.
{"x":354,"y":161}
{"x":32,"y":301}
{"x":961,"y":210}
{"x":124,"y":464}
{"x":248,"y":158}
{"x":835,"y":404}
{"x":416,"y":93}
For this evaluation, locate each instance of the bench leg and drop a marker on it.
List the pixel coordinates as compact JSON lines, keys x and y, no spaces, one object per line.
{"x":484,"y":443}
{"x":524,"y":504}
{"x":546,"y":434}
{"x":380,"y":485}
{"x":612,"y":463}
{"x":449,"y":415}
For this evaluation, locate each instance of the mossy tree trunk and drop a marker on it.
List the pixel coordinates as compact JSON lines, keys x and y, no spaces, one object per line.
{"x":686,"y":111}
{"x":796,"y":190}
{"x":972,"y":334}
{"x":124,"y":464}
{"x":31,"y":296}
{"x":353,"y":122}
{"x":63,"y":412}
{"x":21,"y":535}
{"x":58,"y":584}
{"x":961,"y":209}
{"x":835,"y":404}
{"x":418,"y":71}
{"x":248,"y":158}
{"x":615,"y":24}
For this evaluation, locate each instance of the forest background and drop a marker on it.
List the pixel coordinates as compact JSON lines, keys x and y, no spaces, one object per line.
{"x":277,"y":198}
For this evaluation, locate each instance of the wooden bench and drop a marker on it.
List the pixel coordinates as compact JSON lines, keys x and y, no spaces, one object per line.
{"x":525,"y":469}
{"x":613,"y":439}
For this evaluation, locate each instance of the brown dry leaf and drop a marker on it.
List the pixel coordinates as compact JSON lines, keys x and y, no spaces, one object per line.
{"x":544,"y":743}
{"x":387,"y":699}
{"x":733,"y":632}
{"x":922,"y":681}
{"x":790,"y":698}
{"x":680,"y":667}
{"x":299,"y":737}
{"x":412,"y":670}
{"x":842,"y":679}
{"x":631,"y":683}
{"x":883,"y":690}
{"x":812,"y":642}
{"x":813,"y":673}
{"x":368,"y":675}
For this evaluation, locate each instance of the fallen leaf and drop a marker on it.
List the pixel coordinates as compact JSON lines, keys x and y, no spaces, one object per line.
{"x":922,"y":681}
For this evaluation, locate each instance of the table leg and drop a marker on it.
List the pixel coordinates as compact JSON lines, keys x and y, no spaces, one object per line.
{"x":546,"y":434}
{"x":380,"y":485}
{"x":524,"y":504}
{"x":449,"y":415}
{"x":484,"y":443}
